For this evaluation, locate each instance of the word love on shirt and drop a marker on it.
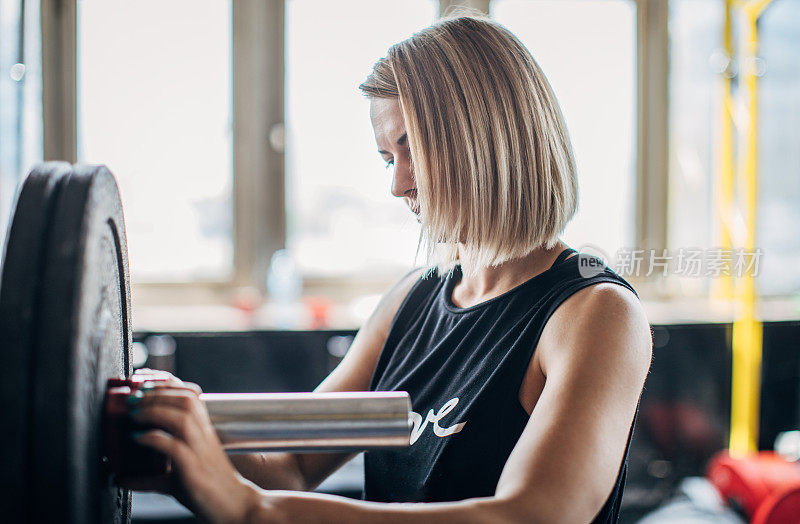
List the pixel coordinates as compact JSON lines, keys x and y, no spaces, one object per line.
{"x":434,"y":418}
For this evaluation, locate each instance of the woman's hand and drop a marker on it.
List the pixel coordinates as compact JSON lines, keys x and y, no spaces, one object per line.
{"x":202,"y":477}
{"x":164,"y":483}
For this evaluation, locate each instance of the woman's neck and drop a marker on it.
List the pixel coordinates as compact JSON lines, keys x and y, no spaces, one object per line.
{"x":480,"y":284}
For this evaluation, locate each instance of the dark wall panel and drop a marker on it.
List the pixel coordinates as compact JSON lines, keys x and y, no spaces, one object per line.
{"x":262,"y":361}
{"x":684,"y":412}
{"x":780,"y":382}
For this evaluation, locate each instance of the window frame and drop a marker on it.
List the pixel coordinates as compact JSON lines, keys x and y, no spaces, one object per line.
{"x":258,"y":52}
{"x":652,"y":134}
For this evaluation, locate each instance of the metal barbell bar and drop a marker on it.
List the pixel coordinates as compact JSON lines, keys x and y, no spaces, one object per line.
{"x":260,"y":422}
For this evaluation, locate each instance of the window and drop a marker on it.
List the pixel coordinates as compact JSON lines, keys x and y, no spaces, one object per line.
{"x":20,"y":99}
{"x":779,"y":154}
{"x":341,"y":218}
{"x":697,"y":61}
{"x":295,"y":66}
{"x":587,"y":50}
{"x":154,"y":92}
{"x":695,"y":36}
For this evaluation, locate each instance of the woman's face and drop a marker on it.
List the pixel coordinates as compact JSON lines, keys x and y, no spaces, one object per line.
{"x":390,"y":135}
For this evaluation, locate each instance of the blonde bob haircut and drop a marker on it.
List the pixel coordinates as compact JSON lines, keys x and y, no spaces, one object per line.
{"x":489,"y":146}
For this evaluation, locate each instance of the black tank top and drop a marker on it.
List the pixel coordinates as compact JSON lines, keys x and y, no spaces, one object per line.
{"x":463,"y":368}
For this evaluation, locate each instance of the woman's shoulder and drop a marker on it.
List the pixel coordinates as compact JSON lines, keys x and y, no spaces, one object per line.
{"x":605,"y":317}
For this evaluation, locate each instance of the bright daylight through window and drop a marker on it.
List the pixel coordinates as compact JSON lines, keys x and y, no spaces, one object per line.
{"x":342,"y":219}
{"x":587,"y":50}
{"x":154,"y":89}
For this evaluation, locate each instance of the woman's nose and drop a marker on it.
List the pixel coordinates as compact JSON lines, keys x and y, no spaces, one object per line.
{"x":402,"y":179}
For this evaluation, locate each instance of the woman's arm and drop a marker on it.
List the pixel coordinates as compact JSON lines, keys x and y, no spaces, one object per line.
{"x":306,"y":471}
{"x":595,"y":353}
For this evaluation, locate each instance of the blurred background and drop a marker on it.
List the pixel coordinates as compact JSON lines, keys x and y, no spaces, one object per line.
{"x":262,"y":232}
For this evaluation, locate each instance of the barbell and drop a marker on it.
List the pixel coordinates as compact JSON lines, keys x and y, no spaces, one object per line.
{"x":66,"y":337}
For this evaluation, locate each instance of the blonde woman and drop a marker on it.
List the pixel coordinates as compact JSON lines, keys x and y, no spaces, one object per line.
{"x":524,"y":373}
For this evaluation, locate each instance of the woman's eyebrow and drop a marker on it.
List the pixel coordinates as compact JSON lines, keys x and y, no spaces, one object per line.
{"x":400,"y":141}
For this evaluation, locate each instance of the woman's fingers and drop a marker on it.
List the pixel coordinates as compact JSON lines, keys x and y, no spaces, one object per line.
{"x":179,"y":397}
{"x":150,"y":371}
{"x":163,"y":378}
{"x":173,"y":447}
{"x":208,"y":484}
{"x":176,"y":422}
{"x":169,"y":384}
{"x":157,"y":374}
{"x":178,"y":411}
{"x":204,"y":479}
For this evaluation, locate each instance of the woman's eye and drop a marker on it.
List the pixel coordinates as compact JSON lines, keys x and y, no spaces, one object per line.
{"x":389,"y":164}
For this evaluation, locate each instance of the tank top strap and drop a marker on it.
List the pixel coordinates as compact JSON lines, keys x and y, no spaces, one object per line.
{"x":563,"y":256}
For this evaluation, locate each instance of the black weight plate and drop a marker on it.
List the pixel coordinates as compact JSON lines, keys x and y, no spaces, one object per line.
{"x":22,"y":266}
{"x":84,"y":339}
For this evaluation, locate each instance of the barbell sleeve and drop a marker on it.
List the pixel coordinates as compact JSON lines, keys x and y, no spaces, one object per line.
{"x":252,"y":422}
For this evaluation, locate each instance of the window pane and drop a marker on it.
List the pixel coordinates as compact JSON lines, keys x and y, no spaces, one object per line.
{"x":696,"y":61}
{"x":341,"y":216}
{"x":587,"y":50}
{"x":155,"y":106}
{"x":779,"y":154}
{"x":695,"y":39}
{"x":20,"y":99}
